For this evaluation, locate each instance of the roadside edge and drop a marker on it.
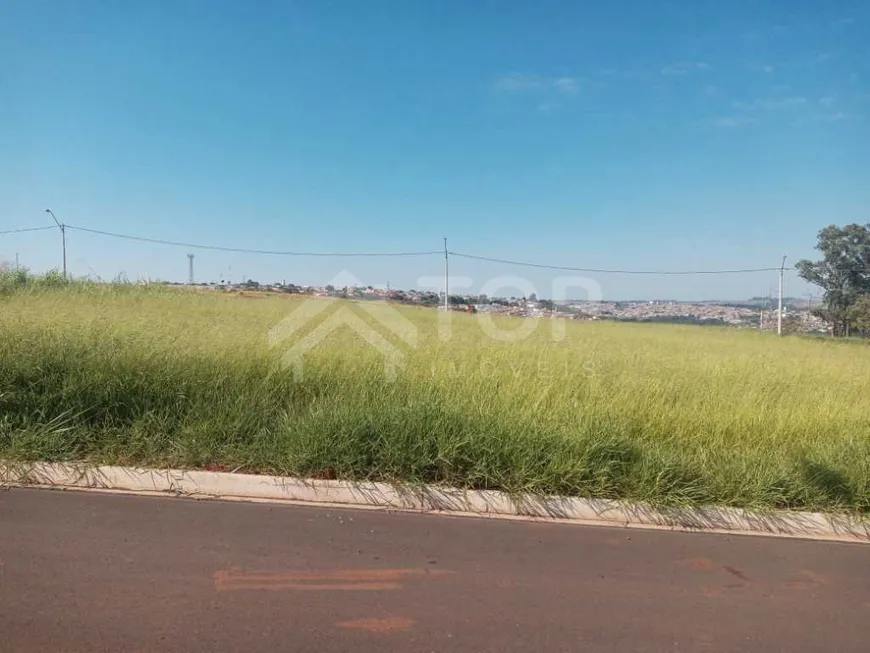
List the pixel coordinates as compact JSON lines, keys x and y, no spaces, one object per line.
{"x":431,"y":499}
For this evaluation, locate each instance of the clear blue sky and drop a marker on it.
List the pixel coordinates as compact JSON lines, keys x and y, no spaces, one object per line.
{"x":663,"y":135}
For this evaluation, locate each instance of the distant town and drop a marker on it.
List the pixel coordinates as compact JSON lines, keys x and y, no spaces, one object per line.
{"x":756,"y":313}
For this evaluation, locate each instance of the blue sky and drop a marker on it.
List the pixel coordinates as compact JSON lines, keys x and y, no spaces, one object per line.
{"x":640,"y":135}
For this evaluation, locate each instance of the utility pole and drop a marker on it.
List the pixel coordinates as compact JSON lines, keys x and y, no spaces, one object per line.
{"x":446,"y":278}
{"x":190,"y":270}
{"x":16,"y":261}
{"x":62,"y":228}
{"x":779,"y":312}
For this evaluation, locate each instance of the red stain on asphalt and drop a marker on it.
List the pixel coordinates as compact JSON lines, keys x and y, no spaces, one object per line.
{"x":699,"y":563}
{"x":386,"y":625}
{"x":335,"y":580}
{"x":807,"y":580}
{"x":308,"y":587}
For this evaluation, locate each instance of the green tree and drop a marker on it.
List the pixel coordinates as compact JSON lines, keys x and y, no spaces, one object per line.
{"x":791,"y":325}
{"x":859,"y":315}
{"x":843,"y":273}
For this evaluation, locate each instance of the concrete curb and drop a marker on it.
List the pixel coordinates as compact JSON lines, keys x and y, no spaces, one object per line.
{"x":252,"y":487}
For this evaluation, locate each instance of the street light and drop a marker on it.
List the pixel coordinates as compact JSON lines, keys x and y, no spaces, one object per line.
{"x":62,"y":228}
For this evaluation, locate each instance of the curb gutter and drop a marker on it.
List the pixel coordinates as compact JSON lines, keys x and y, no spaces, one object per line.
{"x":428,"y":499}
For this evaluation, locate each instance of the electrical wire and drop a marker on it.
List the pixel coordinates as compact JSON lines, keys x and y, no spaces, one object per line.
{"x":608,"y":271}
{"x":476,"y":257}
{"x":21,"y":231}
{"x":249,"y":251}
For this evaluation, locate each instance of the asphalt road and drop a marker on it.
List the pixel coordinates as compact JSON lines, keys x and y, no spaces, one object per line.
{"x":98,"y":572}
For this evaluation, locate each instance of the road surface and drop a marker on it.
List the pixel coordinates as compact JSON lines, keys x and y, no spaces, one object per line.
{"x":100,"y":572}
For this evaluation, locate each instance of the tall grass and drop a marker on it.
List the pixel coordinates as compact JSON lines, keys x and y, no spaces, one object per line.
{"x":666,"y":414}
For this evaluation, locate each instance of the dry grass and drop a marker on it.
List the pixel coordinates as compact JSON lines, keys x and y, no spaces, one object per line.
{"x":666,"y":414}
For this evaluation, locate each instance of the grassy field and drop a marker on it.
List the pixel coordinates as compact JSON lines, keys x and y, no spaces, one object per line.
{"x":665,"y":414}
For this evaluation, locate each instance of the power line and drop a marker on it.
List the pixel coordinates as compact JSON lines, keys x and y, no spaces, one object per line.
{"x":21,"y":231}
{"x":527,"y":264}
{"x":606,"y":271}
{"x":249,"y":251}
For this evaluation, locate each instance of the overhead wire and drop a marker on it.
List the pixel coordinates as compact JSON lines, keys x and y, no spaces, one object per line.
{"x":21,"y":231}
{"x":567,"y":268}
{"x":476,"y":257}
{"x":243,"y":250}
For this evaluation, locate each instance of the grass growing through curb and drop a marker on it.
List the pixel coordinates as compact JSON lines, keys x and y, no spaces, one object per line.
{"x":666,"y":414}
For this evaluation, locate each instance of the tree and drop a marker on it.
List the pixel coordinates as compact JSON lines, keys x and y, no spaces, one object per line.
{"x":429,"y":299}
{"x":843,"y":273}
{"x":791,"y":324}
{"x":859,"y":315}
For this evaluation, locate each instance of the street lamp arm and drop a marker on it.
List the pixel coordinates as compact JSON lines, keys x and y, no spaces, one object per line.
{"x":62,"y":228}
{"x":51,"y":213}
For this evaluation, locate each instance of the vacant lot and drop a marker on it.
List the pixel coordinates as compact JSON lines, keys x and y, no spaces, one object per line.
{"x":665,"y":414}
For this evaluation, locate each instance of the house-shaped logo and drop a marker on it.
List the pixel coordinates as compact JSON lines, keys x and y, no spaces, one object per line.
{"x":346,"y":316}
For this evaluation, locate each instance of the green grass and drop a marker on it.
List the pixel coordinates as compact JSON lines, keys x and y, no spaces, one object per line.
{"x":666,"y":414}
